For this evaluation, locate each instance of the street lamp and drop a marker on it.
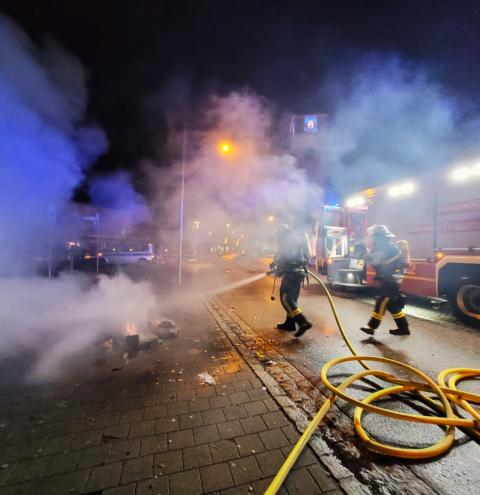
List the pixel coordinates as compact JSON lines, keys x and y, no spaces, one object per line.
{"x":182,"y":205}
{"x":225,"y":147}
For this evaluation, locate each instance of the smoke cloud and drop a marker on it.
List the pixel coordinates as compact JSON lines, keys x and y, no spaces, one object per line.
{"x":44,"y":144}
{"x":45,"y":147}
{"x":254,"y":180}
{"x":389,"y":119}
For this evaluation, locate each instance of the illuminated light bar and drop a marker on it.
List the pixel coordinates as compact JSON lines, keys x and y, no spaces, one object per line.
{"x":402,"y":189}
{"x":462,"y":173}
{"x":355,"y":201}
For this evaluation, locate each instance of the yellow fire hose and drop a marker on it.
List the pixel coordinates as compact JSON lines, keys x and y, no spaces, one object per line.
{"x":448,"y":398}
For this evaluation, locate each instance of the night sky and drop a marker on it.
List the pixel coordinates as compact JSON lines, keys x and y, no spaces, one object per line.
{"x":281,"y":50}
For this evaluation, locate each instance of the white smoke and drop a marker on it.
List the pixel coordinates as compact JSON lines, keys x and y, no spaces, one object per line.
{"x":58,"y":319}
{"x":45,"y":147}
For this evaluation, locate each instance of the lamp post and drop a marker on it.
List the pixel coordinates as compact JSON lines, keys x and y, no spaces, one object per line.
{"x":182,"y":205}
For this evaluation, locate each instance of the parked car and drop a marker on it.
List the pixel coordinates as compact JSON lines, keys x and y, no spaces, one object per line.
{"x":139,"y":254}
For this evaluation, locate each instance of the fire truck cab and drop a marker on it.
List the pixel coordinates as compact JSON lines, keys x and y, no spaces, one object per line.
{"x":438,"y":214}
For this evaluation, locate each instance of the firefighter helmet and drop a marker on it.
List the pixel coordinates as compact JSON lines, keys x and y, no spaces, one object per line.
{"x":379,"y":230}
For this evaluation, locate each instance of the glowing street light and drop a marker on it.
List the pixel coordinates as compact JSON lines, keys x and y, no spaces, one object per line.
{"x":225,"y":147}
{"x":270,"y":218}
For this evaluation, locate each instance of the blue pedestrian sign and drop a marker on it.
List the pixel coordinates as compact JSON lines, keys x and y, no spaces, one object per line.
{"x":310,"y":123}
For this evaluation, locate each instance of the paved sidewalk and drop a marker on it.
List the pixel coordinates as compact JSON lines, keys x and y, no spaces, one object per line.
{"x":151,"y":426}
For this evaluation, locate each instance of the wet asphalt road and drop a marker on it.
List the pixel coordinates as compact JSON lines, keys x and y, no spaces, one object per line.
{"x":432,"y":347}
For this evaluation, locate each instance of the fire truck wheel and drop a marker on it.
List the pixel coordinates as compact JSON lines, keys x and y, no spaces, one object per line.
{"x":465,"y":302}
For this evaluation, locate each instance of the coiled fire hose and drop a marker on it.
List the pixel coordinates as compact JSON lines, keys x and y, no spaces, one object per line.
{"x":448,"y":402}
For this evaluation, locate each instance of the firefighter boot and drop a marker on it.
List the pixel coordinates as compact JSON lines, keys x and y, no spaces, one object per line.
{"x":372,"y":324}
{"x":288,"y":325}
{"x":402,"y":326}
{"x":303,"y":325}
{"x":369,"y":330}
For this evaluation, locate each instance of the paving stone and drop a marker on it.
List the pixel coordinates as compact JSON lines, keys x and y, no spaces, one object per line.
{"x":168,"y":462}
{"x":224,"y":388}
{"x":270,"y":462}
{"x":253,"y":424}
{"x":121,"y":490}
{"x":186,"y":395}
{"x":154,"y":444}
{"x":104,"y":420}
{"x":166,"y":398}
{"x":193,"y":420}
{"x":95,"y":456}
{"x":243,"y":385}
{"x":230,"y":429}
{"x":177,"y":408}
{"x":291,"y":433}
{"x":62,"y":463}
{"x":245,"y":470}
{"x":271,"y":405}
{"x":301,"y":481}
{"x":256,"y":383}
{"x":180,"y":439}
{"x":255,"y":408}
{"x":324,"y":480}
{"x":206,"y":434}
{"x":104,"y":477}
{"x":246,"y":489}
{"x":186,"y":483}
{"x":137,"y":469}
{"x":307,"y":458}
{"x":205,"y":392}
{"x":219,"y":401}
{"x":155,"y":412}
{"x":216,"y":477}
{"x":249,"y":444}
{"x":199,"y":405}
{"x":260,"y":487}
{"x":131,"y":416}
{"x":119,"y":431}
{"x":155,"y":486}
{"x":213,"y":416}
{"x":166,"y":425}
{"x":87,"y":439}
{"x":244,"y":375}
{"x":195,"y":457}
{"x":66,"y":483}
{"x":125,"y":449}
{"x":258,"y":394}
{"x":275,"y":420}
{"x":239,"y":398}
{"x":28,"y":470}
{"x":224,"y":450}
{"x":58,"y":444}
{"x":235,"y":412}
{"x":273,"y":439}
{"x":142,"y":429}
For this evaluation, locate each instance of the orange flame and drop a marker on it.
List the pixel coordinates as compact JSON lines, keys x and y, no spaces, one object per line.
{"x":130,"y":328}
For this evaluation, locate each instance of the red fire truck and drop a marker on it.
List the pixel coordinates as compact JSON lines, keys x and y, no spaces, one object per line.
{"x":438,"y":213}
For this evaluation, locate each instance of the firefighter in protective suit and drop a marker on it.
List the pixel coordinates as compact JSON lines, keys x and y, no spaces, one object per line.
{"x":389,"y":264}
{"x":290,"y":263}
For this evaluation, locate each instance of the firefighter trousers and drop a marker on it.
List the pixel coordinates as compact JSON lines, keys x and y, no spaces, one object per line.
{"x":393,"y":299}
{"x":290,"y":291}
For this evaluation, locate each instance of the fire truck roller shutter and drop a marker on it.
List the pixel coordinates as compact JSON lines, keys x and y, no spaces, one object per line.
{"x":459,"y":280}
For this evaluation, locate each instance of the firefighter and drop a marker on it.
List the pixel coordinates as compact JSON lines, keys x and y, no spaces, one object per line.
{"x":290,"y":263}
{"x":389,"y":262}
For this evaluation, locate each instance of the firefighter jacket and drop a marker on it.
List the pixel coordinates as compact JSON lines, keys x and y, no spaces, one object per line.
{"x":293,"y":255}
{"x":387,"y":260}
